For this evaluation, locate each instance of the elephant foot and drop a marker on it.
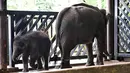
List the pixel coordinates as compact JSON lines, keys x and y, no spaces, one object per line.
{"x":57,"y":67}
{"x":25,"y":70}
{"x":99,"y":63}
{"x":39,"y":67}
{"x":34,"y":66}
{"x":90,"y":64}
{"x":46,"y":68}
{"x":65,"y":64}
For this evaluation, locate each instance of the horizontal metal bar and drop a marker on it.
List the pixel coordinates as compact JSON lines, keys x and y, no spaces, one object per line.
{"x":123,"y":54}
{"x":59,"y":58}
{"x":53,"y":66}
{"x":31,"y":12}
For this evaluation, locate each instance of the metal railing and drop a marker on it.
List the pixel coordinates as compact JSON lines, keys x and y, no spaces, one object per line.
{"x":21,"y":22}
{"x":122,"y":28}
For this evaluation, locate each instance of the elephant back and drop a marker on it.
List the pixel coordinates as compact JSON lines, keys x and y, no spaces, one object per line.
{"x":86,"y":5}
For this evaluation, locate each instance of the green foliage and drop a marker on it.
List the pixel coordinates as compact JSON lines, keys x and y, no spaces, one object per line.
{"x":20,"y":4}
{"x":94,"y":3}
{"x":91,"y":2}
{"x":103,"y":3}
{"x":30,"y":5}
{"x":45,"y":5}
{"x":11,"y":4}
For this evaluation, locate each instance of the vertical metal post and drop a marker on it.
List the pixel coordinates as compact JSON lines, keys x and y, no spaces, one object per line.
{"x":110,"y":28}
{"x":115,"y":28}
{"x":3,"y":35}
{"x":10,"y":39}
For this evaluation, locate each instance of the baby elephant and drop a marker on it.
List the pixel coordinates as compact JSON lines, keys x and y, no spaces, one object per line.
{"x":36,"y":45}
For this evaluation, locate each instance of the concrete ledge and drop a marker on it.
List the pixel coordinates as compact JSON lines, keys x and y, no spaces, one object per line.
{"x":3,"y":71}
{"x":110,"y":68}
{"x":12,"y":69}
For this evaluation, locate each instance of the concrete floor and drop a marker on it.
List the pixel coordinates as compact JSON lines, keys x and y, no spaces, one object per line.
{"x":73,"y":62}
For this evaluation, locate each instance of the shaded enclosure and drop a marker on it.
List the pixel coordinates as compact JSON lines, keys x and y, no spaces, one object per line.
{"x":21,"y":22}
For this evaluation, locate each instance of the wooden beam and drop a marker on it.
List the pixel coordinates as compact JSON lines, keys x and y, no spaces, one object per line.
{"x":3,"y":35}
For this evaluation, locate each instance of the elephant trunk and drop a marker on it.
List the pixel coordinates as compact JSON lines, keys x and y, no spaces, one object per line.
{"x":15,"y":56}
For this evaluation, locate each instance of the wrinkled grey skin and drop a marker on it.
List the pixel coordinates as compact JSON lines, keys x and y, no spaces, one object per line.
{"x":35,"y":44}
{"x":79,"y":24}
{"x":106,"y":17}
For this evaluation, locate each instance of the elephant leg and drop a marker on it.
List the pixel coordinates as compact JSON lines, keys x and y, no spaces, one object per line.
{"x":45,"y":59}
{"x":90,"y":55}
{"x":65,"y":58}
{"x":100,"y":51}
{"x":25,"y":62}
{"x":32,"y":62}
{"x":65,"y":61}
{"x":39,"y":63}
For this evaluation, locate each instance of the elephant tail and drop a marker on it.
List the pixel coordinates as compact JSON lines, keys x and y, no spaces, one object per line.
{"x":58,"y":25}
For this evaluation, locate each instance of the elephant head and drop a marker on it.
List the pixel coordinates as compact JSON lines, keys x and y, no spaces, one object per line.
{"x":18,"y":47}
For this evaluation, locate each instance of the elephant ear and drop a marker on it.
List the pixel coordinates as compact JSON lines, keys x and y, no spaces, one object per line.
{"x":19,"y":42}
{"x":108,"y":16}
{"x":103,"y":11}
{"x":23,"y":43}
{"x":105,"y":16}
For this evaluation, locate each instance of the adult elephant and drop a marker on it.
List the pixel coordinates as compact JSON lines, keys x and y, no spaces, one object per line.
{"x":79,"y":24}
